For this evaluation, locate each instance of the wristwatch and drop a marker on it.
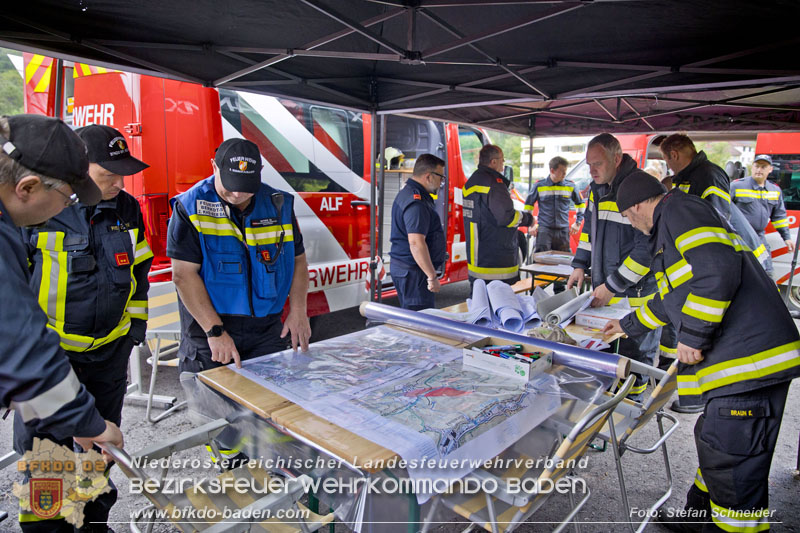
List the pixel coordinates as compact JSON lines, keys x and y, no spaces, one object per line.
{"x":215,"y":331}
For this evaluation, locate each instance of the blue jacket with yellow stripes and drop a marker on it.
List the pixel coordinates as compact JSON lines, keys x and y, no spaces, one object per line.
{"x":554,"y":199}
{"x":247,"y":270}
{"x":36,"y":379}
{"x":90,"y":266}
{"x":760,"y":205}
{"x":490,"y":223}
{"x":716,"y":294}
{"x":616,"y":253}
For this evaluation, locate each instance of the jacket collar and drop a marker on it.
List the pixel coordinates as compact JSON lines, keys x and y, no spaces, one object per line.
{"x":495,"y":173}
{"x":419,"y":188}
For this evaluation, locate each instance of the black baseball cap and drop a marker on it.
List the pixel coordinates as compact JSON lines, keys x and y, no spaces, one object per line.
{"x":239,"y":163}
{"x":109,"y":149}
{"x":763,"y":157}
{"x":49,"y":147}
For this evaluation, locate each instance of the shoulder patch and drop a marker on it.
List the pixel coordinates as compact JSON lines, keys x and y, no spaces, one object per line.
{"x":499,"y":180}
{"x":417,"y":197}
{"x":211,"y":209}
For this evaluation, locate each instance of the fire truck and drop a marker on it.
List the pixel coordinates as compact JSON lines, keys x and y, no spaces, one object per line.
{"x":319,"y":153}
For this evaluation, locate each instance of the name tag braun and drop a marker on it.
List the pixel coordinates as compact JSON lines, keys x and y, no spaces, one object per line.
{"x":757,"y":412}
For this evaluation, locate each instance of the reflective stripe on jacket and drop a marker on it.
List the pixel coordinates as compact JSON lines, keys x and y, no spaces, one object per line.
{"x":554,"y":200}
{"x":713,"y":290}
{"x":236,"y":265}
{"x":36,"y":379}
{"x":616,"y":253}
{"x":90,"y":266}
{"x":490,"y":224}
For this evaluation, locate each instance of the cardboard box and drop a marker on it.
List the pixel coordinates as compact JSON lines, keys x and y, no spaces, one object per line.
{"x":598,"y":317}
{"x":475,"y":358}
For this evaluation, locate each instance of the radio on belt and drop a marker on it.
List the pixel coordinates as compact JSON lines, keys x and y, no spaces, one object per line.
{"x":506,"y":358}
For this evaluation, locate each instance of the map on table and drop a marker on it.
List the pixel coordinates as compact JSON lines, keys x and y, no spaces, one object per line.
{"x":409,"y":394}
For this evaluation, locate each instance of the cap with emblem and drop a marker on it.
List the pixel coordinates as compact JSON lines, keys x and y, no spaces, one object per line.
{"x":239,"y":163}
{"x":762,"y":157}
{"x":49,"y":147}
{"x":638,"y":187}
{"x":109,"y":149}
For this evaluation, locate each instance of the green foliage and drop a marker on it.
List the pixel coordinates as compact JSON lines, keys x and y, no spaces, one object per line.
{"x":512,"y":150}
{"x":716,"y":152}
{"x":11,"y":86}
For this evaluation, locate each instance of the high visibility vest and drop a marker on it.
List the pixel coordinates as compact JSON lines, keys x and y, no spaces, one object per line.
{"x":239,"y":269}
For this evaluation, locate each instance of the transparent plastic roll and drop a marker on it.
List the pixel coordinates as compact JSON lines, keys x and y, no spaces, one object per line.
{"x":606,"y":364}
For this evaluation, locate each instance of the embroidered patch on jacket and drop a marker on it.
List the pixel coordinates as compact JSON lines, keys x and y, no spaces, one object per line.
{"x":211,"y":209}
{"x":122,"y":259}
{"x":265,"y":255}
{"x":417,"y":197}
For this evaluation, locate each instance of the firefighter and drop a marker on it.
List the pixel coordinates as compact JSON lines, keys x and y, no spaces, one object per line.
{"x":491,"y":222}
{"x":95,"y":294}
{"x":554,"y":193}
{"x":761,"y":201}
{"x":418,"y":243}
{"x":711,"y":287}
{"x":43,"y":167}
{"x":237,"y":253}
{"x":616,"y":253}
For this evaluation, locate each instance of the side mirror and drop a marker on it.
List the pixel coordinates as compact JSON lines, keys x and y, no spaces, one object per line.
{"x":508,"y":172}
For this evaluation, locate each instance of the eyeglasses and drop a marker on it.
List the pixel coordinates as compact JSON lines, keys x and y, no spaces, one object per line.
{"x":70,"y":200}
{"x":440,"y":175}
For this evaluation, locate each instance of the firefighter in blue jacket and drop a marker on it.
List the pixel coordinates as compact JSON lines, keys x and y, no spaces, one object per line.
{"x":43,"y":167}
{"x":554,"y":194}
{"x":418,"y":249}
{"x":615,"y":251}
{"x":491,"y":222}
{"x":90,"y":266}
{"x":237,"y":254}
{"x":711,"y":286}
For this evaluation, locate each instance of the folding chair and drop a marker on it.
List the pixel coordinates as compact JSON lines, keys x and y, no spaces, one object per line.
{"x":163,"y":334}
{"x":210,"y":501}
{"x":505,"y":509}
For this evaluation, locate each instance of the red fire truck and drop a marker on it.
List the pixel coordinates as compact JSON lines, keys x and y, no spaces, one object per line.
{"x":321,"y":154}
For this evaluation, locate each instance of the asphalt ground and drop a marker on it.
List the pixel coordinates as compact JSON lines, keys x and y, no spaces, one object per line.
{"x":602,"y":513}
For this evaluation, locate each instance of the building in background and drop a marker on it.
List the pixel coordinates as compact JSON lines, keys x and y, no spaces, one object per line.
{"x":573,"y":149}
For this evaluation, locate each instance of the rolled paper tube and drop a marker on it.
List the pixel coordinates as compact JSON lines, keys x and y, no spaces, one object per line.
{"x":607,"y":364}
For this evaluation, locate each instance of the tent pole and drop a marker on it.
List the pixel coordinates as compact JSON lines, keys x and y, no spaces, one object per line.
{"x":372,"y":216}
{"x":381,"y":200}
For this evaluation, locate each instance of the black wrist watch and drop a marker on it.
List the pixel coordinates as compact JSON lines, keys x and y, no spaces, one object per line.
{"x":215,"y":331}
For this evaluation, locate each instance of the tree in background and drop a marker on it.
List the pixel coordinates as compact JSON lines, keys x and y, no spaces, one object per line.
{"x":718,"y":153}
{"x":11,"y":87}
{"x":512,"y":149}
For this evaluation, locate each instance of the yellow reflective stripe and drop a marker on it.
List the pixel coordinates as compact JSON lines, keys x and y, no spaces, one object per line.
{"x":782,"y":223}
{"x":82,"y":343}
{"x":584,"y":237}
{"x":221,"y":227}
{"x":609,"y":206}
{"x":684,"y":187}
{"x":717,"y":191}
{"x":705,"y":308}
{"x":648,"y":318}
{"x":493,"y":270}
{"x":142,"y":252}
{"x":667,"y":349}
{"x":679,"y":273}
{"x":567,"y":188}
{"x":24,"y":517}
{"x":473,"y":243}
{"x":137,"y":309}
{"x":268,"y":234}
{"x":635,"y":267}
{"x":755,"y":366}
{"x":746,"y":193}
{"x":515,"y":221}
{"x":638,"y":389}
{"x":699,"y":482}
{"x":740,"y":521}
{"x":633,"y":302}
{"x":53,"y":285}
{"x":483,"y":189}
{"x":580,"y":206}
{"x":761,"y":250}
{"x":528,"y":207}
{"x":705,"y":235}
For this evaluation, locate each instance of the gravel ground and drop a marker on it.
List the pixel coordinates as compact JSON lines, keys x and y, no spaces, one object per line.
{"x":644,"y":474}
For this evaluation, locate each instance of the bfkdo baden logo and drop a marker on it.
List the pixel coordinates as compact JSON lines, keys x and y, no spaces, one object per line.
{"x":58,"y":482}
{"x":45,"y":497}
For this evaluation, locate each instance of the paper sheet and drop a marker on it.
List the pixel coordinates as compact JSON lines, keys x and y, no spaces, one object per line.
{"x":560,"y":270}
{"x":506,"y":306}
{"x":479,"y":304}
